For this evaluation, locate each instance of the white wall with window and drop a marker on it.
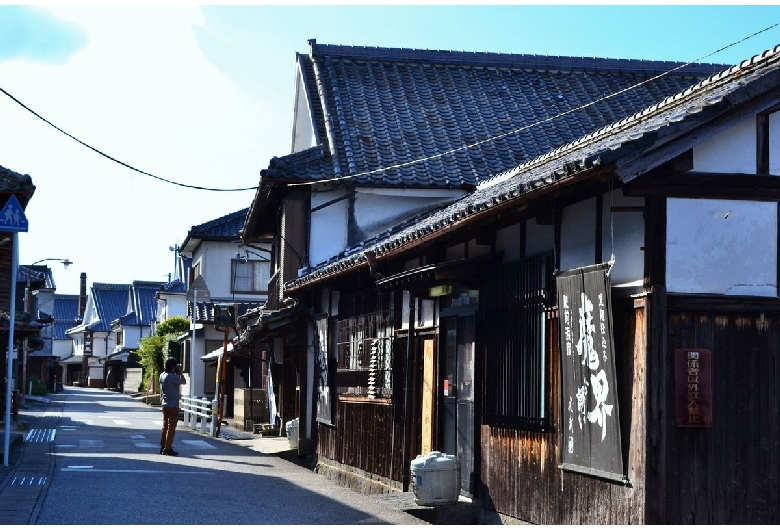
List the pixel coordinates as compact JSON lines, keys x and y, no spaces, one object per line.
{"x":724,"y":247}
{"x":251,"y":276}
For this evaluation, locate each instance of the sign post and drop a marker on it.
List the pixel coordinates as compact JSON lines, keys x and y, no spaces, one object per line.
{"x":12,"y":219}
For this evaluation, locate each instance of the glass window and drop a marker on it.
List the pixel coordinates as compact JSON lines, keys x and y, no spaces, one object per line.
{"x":251,"y":276}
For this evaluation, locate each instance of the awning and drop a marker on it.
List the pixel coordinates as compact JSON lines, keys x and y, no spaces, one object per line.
{"x":73,"y":359}
{"x":273,"y":323}
{"x":429,"y":275}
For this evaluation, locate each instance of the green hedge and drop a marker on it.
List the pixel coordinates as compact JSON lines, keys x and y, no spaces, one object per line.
{"x":38,"y":386}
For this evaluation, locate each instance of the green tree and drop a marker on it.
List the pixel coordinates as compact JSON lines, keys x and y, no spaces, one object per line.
{"x":174,"y":325}
{"x":154,"y":349}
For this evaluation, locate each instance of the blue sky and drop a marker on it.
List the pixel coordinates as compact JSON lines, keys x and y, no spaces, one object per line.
{"x":204,"y":96}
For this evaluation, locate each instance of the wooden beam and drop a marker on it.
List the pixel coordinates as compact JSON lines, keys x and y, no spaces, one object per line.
{"x":708,"y":185}
{"x":762,"y":144}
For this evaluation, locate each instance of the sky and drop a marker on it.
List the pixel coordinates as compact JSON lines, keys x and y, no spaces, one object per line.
{"x":203,"y":97}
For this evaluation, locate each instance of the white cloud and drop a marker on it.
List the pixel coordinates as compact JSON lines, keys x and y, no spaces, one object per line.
{"x":142,"y":92}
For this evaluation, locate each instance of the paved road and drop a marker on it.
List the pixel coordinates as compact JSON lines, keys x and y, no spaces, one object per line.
{"x":93,"y":458}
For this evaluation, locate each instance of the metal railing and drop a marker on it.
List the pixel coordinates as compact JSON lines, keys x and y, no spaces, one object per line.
{"x":198,"y":411}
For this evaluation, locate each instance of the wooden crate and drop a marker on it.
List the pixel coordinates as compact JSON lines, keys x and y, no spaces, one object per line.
{"x":246,"y":413}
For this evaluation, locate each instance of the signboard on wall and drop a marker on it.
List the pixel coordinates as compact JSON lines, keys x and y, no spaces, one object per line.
{"x":324,"y":394}
{"x":88,"y":344}
{"x":591,"y":430}
{"x":692,"y":387}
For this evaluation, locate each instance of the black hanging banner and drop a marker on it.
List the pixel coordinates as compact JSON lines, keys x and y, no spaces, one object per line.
{"x":591,"y":428}
{"x":324,"y":394}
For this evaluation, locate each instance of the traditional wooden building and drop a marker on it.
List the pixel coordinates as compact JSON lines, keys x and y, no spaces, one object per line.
{"x":592,"y":331}
{"x":12,"y":184}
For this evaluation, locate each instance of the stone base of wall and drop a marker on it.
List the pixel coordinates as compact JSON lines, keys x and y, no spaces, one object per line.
{"x":490,"y":517}
{"x":354,"y":478}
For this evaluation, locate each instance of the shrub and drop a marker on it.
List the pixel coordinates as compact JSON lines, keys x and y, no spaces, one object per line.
{"x":38,"y":386}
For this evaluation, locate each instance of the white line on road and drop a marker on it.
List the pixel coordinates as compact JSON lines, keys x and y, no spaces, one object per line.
{"x":147,"y":471}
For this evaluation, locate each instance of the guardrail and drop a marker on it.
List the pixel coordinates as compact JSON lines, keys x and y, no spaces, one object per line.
{"x":198,"y":410}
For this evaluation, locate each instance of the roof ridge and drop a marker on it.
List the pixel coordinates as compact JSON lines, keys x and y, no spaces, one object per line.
{"x":507,"y":60}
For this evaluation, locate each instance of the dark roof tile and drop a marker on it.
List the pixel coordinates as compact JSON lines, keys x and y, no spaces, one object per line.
{"x":456,"y":118}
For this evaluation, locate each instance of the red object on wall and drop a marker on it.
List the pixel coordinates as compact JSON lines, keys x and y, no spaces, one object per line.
{"x":692,"y":387}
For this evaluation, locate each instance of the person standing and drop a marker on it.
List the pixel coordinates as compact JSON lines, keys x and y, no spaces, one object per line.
{"x":170,"y":390}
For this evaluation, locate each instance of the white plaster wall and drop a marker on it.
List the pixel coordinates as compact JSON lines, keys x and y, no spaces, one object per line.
{"x":132,"y":334}
{"x":774,"y":143}
{"x":62,"y":348}
{"x":539,"y":239}
{"x":623,"y":233}
{"x":378,"y":209}
{"x":711,"y":252}
{"x":303,"y":129}
{"x":328,"y":231}
{"x":732,"y":151}
{"x":215,"y":259}
{"x":578,"y":235}
{"x":171,"y":305}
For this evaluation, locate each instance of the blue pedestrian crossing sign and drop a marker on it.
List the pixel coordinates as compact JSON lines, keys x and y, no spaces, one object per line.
{"x":12,"y":218}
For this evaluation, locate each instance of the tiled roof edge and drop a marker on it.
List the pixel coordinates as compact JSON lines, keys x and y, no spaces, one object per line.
{"x":201,"y":228}
{"x":506,"y":60}
{"x":662,"y":105}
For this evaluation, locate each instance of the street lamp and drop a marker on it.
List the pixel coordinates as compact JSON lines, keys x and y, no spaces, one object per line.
{"x":27,"y":308}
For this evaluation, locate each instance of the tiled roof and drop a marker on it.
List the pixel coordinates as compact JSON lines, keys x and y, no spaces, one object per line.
{"x":656,"y":124}
{"x":13,"y":181}
{"x":225,"y":228}
{"x":40,"y":276}
{"x":174,"y":286}
{"x":110,"y":301}
{"x":205,"y":310}
{"x":465,"y":116}
{"x":143,"y":304}
{"x":66,"y":314}
{"x":229,"y":225}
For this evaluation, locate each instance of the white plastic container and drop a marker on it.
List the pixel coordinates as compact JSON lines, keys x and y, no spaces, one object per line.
{"x":292,"y":432}
{"x":435,"y":479}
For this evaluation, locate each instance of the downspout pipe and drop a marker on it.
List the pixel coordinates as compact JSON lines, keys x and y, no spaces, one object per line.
{"x":407,"y":391}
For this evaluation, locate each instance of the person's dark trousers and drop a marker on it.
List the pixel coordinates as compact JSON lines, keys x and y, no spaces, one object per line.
{"x":170,"y":419}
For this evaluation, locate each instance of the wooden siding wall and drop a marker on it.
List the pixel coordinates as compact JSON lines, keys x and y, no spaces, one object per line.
{"x":364,"y":437}
{"x":6,"y":261}
{"x":729,"y":473}
{"x":520,"y":474}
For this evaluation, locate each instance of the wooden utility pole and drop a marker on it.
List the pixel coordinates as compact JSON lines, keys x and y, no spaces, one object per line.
{"x":222,"y":378}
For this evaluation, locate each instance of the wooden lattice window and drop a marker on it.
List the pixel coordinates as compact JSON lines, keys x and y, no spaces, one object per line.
{"x":513,"y":314}
{"x":365,"y":355}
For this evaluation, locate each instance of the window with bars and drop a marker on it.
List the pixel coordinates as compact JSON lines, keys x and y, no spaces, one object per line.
{"x":514,"y":306}
{"x":365,"y":355}
{"x":251,"y":276}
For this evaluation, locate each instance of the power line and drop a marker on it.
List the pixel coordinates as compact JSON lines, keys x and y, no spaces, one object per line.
{"x":403,"y":164}
{"x":98,"y":151}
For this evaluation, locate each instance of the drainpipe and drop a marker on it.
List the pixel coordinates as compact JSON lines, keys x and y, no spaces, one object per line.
{"x":407,"y":370}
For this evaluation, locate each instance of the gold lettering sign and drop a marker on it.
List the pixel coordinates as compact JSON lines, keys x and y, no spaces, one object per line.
{"x":693,"y":387}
